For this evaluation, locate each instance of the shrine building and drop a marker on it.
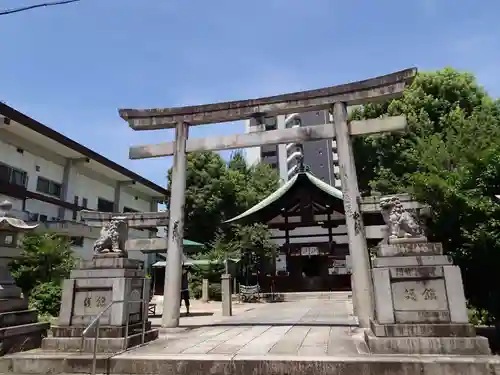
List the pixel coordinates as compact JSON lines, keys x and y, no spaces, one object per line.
{"x":306,"y":219}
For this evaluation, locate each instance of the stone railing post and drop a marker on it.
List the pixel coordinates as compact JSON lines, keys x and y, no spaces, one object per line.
{"x":204,"y":290}
{"x":227,"y":308}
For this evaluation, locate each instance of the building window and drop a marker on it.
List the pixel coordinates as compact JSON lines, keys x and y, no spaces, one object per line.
{"x":270,"y":123}
{"x":46,"y":186}
{"x":8,"y":239}
{"x":128,"y":209}
{"x":268,"y":153}
{"x":4,"y":173}
{"x":18,"y":177}
{"x":13,"y":175}
{"x":85,"y":202}
{"x":75,"y":211}
{"x":43,"y":218}
{"x":104,"y":205}
{"x":77,"y":241}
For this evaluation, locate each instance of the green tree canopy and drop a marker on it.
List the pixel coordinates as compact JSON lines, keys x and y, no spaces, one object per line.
{"x":45,"y":261}
{"x":217,"y":191}
{"x":449,"y":159}
{"x":45,"y":258}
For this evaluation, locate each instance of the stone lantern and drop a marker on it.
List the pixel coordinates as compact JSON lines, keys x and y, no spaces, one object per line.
{"x":20,"y":329}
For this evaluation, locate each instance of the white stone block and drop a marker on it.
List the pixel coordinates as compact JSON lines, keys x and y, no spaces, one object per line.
{"x":422,"y":316}
{"x":418,"y":295}
{"x":416,"y":272}
{"x":384,"y":307}
{"x":405,"y":249}
{"x":456,"y":295}
{"x":68,"y":290}
{"x":409,"y":261}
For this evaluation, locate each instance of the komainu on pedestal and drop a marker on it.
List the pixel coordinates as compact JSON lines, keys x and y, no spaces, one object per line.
{"x":111,"y":286}
{"x":420,"y":306}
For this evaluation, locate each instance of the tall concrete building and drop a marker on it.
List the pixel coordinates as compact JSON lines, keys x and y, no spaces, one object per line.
{"x":320,"y":156}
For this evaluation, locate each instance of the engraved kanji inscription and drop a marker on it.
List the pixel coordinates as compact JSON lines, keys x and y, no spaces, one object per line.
{"x":100,"y":301}
{"x":429,"y":294}
{"x":410,"y":294}
{"x":87,"y":302}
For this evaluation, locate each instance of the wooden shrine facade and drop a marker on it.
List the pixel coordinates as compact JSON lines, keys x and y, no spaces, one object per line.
{"x":307,"y":222}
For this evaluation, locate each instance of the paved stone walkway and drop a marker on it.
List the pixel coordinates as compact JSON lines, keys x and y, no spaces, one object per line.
{"x":302,"y":328}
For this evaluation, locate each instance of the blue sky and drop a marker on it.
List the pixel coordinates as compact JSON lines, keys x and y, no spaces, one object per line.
{"x":72,"y":66}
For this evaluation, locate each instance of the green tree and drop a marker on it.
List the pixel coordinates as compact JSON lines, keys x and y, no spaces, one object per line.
{"x":449,"y":159}
{"x":243,"y":241}
{"x":217,"y":191}
{"x":204,"y":195}
{"x":45,"y":258}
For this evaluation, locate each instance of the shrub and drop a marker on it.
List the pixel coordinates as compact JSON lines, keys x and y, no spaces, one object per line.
{"x":215,"y":292}
{"x":195,"y":289}
{"x":46,"y":298}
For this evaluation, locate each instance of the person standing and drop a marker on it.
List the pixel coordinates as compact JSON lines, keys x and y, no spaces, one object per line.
{"x":185,"y":288}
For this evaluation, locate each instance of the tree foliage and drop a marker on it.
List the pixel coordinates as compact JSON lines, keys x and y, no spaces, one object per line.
{"x":449,"y":159}
{"x":45,"y":257}
{"x":45,"y":261}
{"x":217,"y":191}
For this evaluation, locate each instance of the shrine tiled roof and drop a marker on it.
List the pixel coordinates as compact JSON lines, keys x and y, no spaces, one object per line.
{"x":301,"y":177}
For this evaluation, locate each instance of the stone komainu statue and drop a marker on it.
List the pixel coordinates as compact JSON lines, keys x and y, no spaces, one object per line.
{"x":112,"y":238}
{"x":401,"y":223}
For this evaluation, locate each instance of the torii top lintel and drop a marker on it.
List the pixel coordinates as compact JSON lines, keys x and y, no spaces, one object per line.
{"x":374,"y":89}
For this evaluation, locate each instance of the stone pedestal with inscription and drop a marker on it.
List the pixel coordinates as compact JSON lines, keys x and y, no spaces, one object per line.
{"x":91,"y":288}
{"x":420,"y":305}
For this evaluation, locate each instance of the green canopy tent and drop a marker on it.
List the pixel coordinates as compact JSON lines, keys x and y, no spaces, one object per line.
{"x":190,"y":246}
{"x":160,"y":261}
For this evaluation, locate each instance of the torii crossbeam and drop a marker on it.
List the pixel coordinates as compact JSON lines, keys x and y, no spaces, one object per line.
{"x":335,"y":98}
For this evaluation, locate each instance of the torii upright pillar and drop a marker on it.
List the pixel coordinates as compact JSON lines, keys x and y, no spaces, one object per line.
{"x":172,"y":295}
{"x":358,"y":249}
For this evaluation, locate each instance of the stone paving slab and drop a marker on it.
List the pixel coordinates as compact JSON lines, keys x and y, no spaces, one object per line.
{"x":301,"y":328}
{"x":293,"y":347}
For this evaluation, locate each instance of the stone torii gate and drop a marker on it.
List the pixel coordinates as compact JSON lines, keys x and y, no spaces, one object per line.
{"x":335,"y":98}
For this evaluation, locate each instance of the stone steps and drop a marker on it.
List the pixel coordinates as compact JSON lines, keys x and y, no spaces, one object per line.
{"x":104,"y":344}
{"x":300,"y":296}
{"x":57,"y":363}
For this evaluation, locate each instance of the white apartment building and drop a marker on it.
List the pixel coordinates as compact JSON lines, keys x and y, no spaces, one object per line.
{"x":319,"y":156}
{"x":49,"y":178}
